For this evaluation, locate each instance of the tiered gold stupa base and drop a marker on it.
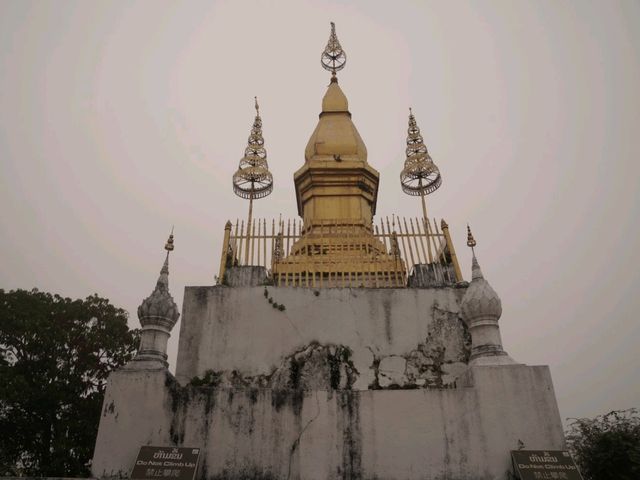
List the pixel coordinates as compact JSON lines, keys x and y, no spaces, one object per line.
{"x":350,"y":258}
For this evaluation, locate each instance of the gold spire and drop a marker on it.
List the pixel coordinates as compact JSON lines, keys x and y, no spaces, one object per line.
{"x":335,"y":137}
{"x":336,"y":192}
{"x":420,"y":176}
{"x":333,"y":57}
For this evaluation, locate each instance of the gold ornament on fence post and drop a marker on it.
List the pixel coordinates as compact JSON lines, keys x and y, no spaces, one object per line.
{"x":253,"y":180}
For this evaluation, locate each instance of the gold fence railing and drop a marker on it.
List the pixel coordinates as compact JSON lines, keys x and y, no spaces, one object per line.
{"x":420,"y":244}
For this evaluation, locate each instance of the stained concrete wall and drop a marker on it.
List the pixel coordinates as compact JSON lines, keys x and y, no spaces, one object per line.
{"x":292,"y":383}
{"x":396,"y":336}
{"x":456,"y":433}
{"x":245,"y":276}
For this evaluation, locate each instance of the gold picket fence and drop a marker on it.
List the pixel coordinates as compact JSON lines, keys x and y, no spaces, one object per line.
{"x":415,"y":242}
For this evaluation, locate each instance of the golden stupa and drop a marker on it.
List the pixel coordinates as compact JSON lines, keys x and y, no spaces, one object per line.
{"x":335,"y":244}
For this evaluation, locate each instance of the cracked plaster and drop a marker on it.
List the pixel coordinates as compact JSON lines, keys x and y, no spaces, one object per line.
{"x":235,"y":332}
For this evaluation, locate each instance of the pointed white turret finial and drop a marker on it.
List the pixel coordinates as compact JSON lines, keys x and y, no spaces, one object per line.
{"x":481,"y":308}
{"x":158,"y":314}
{"x":475,"y":266}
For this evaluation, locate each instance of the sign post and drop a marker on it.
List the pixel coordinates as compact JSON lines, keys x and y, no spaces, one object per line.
{"x":544,"y":465}
{"x":166,"y":463}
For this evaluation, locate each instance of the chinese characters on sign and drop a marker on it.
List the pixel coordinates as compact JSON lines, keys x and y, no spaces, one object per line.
{"x":166,"y":463}
{"x":544,"y":465}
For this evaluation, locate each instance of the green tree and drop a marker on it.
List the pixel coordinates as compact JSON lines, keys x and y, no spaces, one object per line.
{"x":608,"y":446}
{"x":55,"y":356}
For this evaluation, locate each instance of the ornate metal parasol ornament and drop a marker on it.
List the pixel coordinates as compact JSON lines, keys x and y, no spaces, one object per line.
{"x":333,"y":57}
{"x":253,"y":179}
{"x":420,"y":176}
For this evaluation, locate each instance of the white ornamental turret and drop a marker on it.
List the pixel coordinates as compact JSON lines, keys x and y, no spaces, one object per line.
{"x":158,"y":314}
{"x":481,"y":309}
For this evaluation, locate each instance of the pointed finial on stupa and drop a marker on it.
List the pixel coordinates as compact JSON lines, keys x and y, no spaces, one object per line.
{"x":169,"y":245}
{"x":169,"y":248}
{"x":476,"y":272}
{"x":253,"y":180}
{"x":420,"y":176}
{"x":333,"y":57}
{"x":471,"y":242}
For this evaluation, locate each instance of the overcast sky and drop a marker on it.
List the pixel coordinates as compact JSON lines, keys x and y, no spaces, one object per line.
{"x":120,"y":119}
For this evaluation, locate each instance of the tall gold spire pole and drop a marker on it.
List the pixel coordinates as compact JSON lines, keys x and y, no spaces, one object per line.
{"x":252,"y":186}
{"x":420,"y":176}
{"x":424,"y":202}
{"x":253,"y":180}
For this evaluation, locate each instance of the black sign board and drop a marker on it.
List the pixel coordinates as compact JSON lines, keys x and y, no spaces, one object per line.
{"x":166,"y":463}
{"x":544,"y":465}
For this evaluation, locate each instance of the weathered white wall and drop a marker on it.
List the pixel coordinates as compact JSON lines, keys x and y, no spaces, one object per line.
{"x":227,"y":329}
{"x":457,"y":433}
{"x":299,"y":427}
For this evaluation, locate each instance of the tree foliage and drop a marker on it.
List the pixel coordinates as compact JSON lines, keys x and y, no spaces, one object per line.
{"x":608,"y":446}
{"x":55,"y":356}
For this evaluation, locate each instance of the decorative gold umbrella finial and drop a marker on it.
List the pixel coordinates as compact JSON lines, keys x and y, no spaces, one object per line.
{"x":471,"y":242}
{"x":333,"y":57}
{"x":420,"y":176}
{"x":253,"y":180}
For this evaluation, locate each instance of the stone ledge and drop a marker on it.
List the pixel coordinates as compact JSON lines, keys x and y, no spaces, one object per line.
{"x":245,"y":276}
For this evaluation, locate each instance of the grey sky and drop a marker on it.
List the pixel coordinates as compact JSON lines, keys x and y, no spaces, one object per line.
{"x":119,"y":119}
